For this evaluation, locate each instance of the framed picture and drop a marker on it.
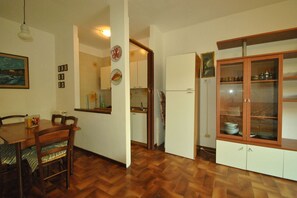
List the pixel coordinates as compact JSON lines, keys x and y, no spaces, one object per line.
{"x":65,"y":67}
{"x":61,"y":77}
{"x":61,"y":84}
{"x":208,"y":68}
{"x":14,"y":71}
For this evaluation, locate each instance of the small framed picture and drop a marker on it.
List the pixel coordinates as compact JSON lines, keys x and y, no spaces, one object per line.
{"x":65,"y":67}
{"x":60,"y":76}
{"x":61,"y":84}
{"x":208,"y":67}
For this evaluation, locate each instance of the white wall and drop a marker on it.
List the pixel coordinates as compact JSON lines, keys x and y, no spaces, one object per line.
{"x":202,"y":38}
{"x":109,"y":134}
{"x":40,"y":97}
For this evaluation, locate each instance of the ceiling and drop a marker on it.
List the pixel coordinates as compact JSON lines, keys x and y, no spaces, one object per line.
{"x":167,"y":15}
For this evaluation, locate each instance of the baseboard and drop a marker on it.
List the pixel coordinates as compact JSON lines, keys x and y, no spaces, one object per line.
{"x":101,"y":156}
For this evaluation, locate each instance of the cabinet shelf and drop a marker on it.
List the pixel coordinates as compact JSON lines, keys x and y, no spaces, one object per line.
{"x":264,"y":81}
{"x":232,"y":82}
{"x":290,"y":99}
{"x":265,"y":117}
{"x":226,"y":115}
{"x":258,"y":38}
{"x":290,"y":78}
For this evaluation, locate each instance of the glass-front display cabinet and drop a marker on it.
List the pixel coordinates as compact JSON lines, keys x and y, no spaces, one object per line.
{"x":249,"y":99}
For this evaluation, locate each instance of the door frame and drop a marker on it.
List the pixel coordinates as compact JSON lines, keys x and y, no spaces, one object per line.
{"x":150,"y":93}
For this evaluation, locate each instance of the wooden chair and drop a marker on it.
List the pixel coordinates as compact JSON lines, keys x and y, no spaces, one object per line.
{"x":71,"y":120}
{"x":48,"y":154}
{"x":11,"y":117}
{"x":58,"y":118}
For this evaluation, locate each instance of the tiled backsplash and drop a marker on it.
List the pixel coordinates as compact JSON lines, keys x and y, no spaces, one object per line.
{"x":137,"y":96}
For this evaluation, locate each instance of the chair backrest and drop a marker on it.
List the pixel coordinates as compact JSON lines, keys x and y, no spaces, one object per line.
{"x":70,"y":120}
{"x":58,"y":118}
{"x":12,"y":118}
{"x":47,"y":137}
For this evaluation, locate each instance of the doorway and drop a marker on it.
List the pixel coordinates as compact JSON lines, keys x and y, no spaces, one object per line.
{"x":150,"y":92}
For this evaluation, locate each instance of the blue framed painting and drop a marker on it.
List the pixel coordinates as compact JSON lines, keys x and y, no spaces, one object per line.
{"x":14,"y":71}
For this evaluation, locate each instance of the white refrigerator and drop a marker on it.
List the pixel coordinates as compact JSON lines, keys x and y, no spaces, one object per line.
{"x":182,"y":73}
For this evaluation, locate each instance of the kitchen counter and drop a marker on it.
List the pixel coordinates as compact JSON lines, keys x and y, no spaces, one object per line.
{"x":96,"y":110}
{"x":138,"y":110}
{"x":108,"y":110}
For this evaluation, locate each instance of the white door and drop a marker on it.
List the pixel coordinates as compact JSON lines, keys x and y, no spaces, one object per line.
{"x":265,"y":160}
{"x":290,"y":165}
{"x":231,"y":154}
{"x":179,"y":134}
{"x":180,"y":72}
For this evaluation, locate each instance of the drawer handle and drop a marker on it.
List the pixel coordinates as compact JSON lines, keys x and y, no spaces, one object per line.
{"x":250,"y":150}
{"x":240,"y":149}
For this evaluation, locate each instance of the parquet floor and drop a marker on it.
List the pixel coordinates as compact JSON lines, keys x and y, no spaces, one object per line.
{"x":155,"y":174}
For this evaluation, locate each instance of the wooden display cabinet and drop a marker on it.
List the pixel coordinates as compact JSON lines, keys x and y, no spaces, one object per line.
{"x":249,"y":98}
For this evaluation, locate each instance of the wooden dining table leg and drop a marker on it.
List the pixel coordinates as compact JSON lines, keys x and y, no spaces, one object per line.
{"x":19,"y":167}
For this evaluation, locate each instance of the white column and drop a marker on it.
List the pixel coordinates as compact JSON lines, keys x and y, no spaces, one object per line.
{"x":119,"y":23}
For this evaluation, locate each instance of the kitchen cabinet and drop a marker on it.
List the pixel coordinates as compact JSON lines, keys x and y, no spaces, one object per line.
{"x":138,"y":74}
{"x":105,"y":77}
{"x":265,"y":160}
{"x":249,"y":99}
{"x":290,"y":161}
{"x":259,"y":159}
{"x":139,"y":127}
{"x":231,"y":154}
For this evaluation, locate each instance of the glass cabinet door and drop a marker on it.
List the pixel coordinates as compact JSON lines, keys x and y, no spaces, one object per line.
{"x":230,"y":100}
{"x":263,"y":100}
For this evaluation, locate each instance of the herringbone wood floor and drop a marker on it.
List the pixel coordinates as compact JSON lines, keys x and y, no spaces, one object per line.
{"x":155,"y":174}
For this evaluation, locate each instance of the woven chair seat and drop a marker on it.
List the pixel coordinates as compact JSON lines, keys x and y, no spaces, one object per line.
{"x":8,"y":153}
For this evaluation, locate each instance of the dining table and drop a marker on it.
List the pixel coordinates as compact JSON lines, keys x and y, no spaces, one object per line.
{"x":22,"y":137}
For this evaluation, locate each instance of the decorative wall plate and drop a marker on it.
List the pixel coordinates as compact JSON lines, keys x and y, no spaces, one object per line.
{"x":116,"y":53}
{"x":116,"y":76}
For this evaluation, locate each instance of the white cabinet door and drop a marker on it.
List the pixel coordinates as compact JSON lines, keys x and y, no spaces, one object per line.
{"x":142,"y":74}
{"x":231,"y":154}
{"x":265,"y":160}
{"x":105,"y":77}
{"x":179,"y":134}
{"x":180,"y":72}
{"x":139,"y":127}
{"x":290,"y":165}
{"x":133,"y":75}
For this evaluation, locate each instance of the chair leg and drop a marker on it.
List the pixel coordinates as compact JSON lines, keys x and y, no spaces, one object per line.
{"x":71,"y":162}
{"x":42,"y":182}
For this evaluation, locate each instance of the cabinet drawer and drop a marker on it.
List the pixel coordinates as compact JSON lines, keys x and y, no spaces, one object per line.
{"x":231,"y":154}
{"x":265,"y":160}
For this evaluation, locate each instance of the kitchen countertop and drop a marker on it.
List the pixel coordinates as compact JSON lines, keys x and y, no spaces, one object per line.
{"x":138,"y":110}
{"x":108,"y":110}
